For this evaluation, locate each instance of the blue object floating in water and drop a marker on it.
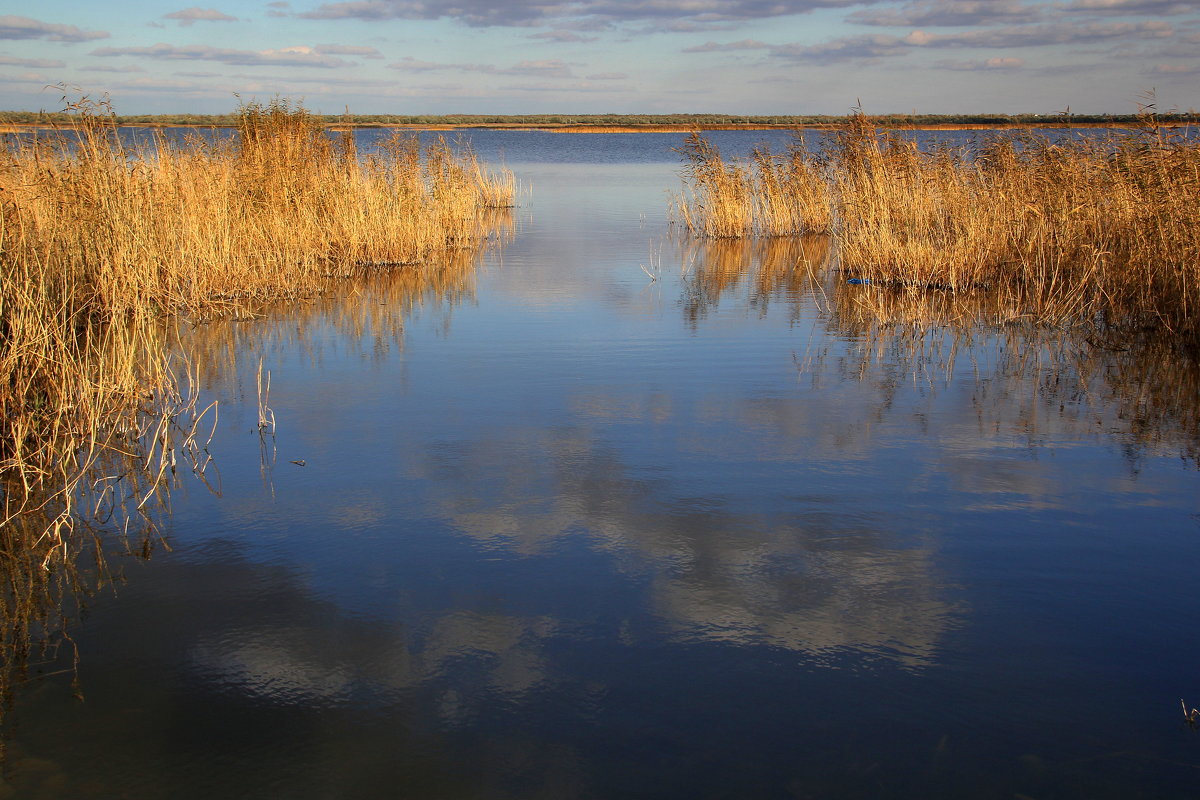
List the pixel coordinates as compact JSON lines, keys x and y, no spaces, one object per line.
{"x":866,"y":281}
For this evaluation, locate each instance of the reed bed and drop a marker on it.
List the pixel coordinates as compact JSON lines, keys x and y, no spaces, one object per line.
{"x":770,"y":195}
{"x":1106,"y":229}
{"x":101,"y":238}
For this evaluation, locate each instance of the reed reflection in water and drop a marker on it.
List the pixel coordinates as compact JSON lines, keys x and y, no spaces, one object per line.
{"x":145,"y":452}
{"x":1035,"y":368}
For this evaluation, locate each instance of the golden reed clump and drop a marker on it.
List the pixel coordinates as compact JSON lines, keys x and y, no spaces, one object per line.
{"x":771,"y":195}
{"x":100,"y":238}
{"x":1106,"y":229}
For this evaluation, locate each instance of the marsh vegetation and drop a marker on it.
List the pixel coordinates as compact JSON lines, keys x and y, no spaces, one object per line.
{"x":1103,"y":230}
{"x":106,"y":244}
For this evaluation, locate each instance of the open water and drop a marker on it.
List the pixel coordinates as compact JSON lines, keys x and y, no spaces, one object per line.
{"x":615,"y":514}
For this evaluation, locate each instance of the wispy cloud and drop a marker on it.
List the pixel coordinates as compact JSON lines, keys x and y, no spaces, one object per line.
{"x":1038,"y":35}
{"x":846,"y":48}
{"x":491,"y":13}
{"x":119,"y":70}
{"x":362,"y":51}
{"x":13,"y":27}
{"x":24,"y":77}
{"x":342,"y":85}
{"x":950,"y":13}
{"x":290,"y":56}
{"x":1182,"y":45}
{"x":190,"y":16}
{"x":715,"y":47}
{"x":1175,"y":69}
{"x":851,"y":48}
{"x":582,"y":86}
{"x":1130,"y":8}
{"x":1000,"y":63}
{"x":551,"y":68}
{"x":40,"y":63}
{"x":561,"y":36}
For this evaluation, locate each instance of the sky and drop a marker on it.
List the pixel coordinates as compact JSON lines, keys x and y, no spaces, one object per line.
{"x":606,"y":56}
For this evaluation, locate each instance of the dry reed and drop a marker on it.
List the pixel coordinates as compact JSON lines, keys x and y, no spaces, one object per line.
{"x":99,"y":238}
{"x":772,"y":195}
{"x":1101,"y":229}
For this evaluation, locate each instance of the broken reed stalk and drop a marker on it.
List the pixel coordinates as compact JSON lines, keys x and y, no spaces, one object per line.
{"x":1107,"y":229}
{"x":266,"y":417}
{"x":100,"y":238}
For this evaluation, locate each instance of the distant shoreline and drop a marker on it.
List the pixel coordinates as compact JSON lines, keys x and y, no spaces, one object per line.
{"x":16,"y":127}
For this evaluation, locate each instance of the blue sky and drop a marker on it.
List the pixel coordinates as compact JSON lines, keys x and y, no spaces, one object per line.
{"x":600,"y":56}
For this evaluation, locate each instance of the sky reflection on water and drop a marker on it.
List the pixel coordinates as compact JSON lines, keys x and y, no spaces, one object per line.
{"x":565,"y":531}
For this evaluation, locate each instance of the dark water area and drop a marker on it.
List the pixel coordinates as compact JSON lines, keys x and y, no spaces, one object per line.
{"x":611,"y":513}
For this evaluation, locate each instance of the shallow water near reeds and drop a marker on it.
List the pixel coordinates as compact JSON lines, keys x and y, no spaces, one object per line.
{"x":615,"y":514}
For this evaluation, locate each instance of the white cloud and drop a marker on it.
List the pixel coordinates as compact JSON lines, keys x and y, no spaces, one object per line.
{"x":300,"y":56}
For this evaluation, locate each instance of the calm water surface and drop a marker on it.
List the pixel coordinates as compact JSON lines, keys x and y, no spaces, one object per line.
{"x":566,"y":531}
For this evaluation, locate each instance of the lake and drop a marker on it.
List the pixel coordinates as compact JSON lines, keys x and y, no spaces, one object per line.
{"x":605,"y":512}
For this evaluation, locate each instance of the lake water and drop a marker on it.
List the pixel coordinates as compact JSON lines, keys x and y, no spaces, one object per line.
{"x":614,"y":514}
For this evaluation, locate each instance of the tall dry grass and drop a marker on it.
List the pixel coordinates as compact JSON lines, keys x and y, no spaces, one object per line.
{"x":100,"y":238}
{"x":770,"y":195}
{"x":1105,"y":228}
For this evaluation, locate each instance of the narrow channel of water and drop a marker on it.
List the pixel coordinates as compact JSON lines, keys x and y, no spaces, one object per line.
{"x":613,"y":514}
